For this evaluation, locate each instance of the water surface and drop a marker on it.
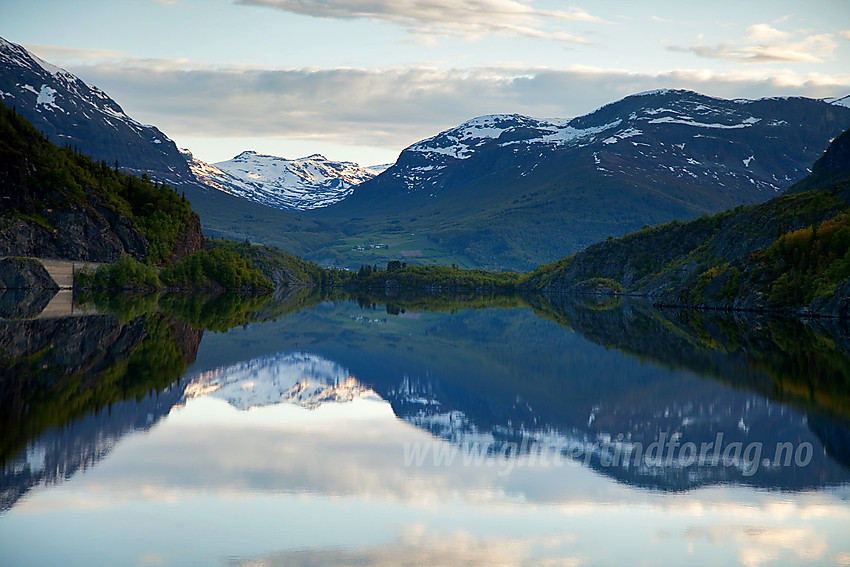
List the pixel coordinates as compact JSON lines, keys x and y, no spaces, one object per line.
{"x":311,"y":430}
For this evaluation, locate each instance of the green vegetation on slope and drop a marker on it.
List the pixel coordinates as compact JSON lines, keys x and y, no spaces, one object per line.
{"x":219,"y":268}
{"x":277,"y":266}
{"x":126,"y":273}
{"x":205,"y":269}
{"x":806,"y":264}
{"x":781,"y":254}
{"x":449,"y":278}
{"x":158,"y":212}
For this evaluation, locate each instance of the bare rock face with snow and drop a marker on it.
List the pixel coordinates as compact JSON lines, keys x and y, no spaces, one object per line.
{"x":298,"y":184}
{"x":70,"y":112}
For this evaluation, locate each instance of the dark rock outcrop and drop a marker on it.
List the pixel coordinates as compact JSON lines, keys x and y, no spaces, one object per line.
{"x":24,"y":273}
{"x":189,"y":241}
{"x":24,"y":303}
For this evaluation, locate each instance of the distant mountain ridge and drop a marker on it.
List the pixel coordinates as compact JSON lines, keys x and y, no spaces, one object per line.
{"x":654,"y":136}
{"x":71,"y":112}
{"x":299,"y":184}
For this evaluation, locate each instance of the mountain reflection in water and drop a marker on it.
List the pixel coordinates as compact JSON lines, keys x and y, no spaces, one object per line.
{"x":499,"y":382}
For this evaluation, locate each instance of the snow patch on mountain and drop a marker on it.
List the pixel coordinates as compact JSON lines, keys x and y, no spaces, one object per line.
{"x":47,"y":98}
{"x":378,"y":169}
{"x":654,"y":92}
{"x":463,"y":141}
{"x":672,"y":120}
{"x":840,"y":101}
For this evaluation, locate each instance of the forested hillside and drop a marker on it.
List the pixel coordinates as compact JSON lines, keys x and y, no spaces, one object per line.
{"x":792,"y":252}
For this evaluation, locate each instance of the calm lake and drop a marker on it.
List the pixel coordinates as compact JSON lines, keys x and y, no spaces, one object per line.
{"x":423,"y":430}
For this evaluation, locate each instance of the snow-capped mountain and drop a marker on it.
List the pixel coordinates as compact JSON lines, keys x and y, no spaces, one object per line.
{"x":298,"y":378}
{"x":660,"y":136}
{"x":70,"y":112}
{"x":300,"y":184}
{"x":424,"y":162}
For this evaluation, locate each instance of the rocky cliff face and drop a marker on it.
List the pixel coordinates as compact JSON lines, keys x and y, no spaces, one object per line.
{"x":189,"y":241}
{"x":92,"y":234}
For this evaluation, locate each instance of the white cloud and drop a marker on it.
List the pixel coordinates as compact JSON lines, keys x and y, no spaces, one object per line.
{"x":760,"y":33}
{"x":72,"y":54}
{"x":759,"y":546}
{"x":767,"y":44}
{"x":419,"y":546}
{"x":472,"y":18}
{"x":845,"y":34}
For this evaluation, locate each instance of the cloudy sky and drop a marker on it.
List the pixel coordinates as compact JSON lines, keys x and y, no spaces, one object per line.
{"x":362,"y":79}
